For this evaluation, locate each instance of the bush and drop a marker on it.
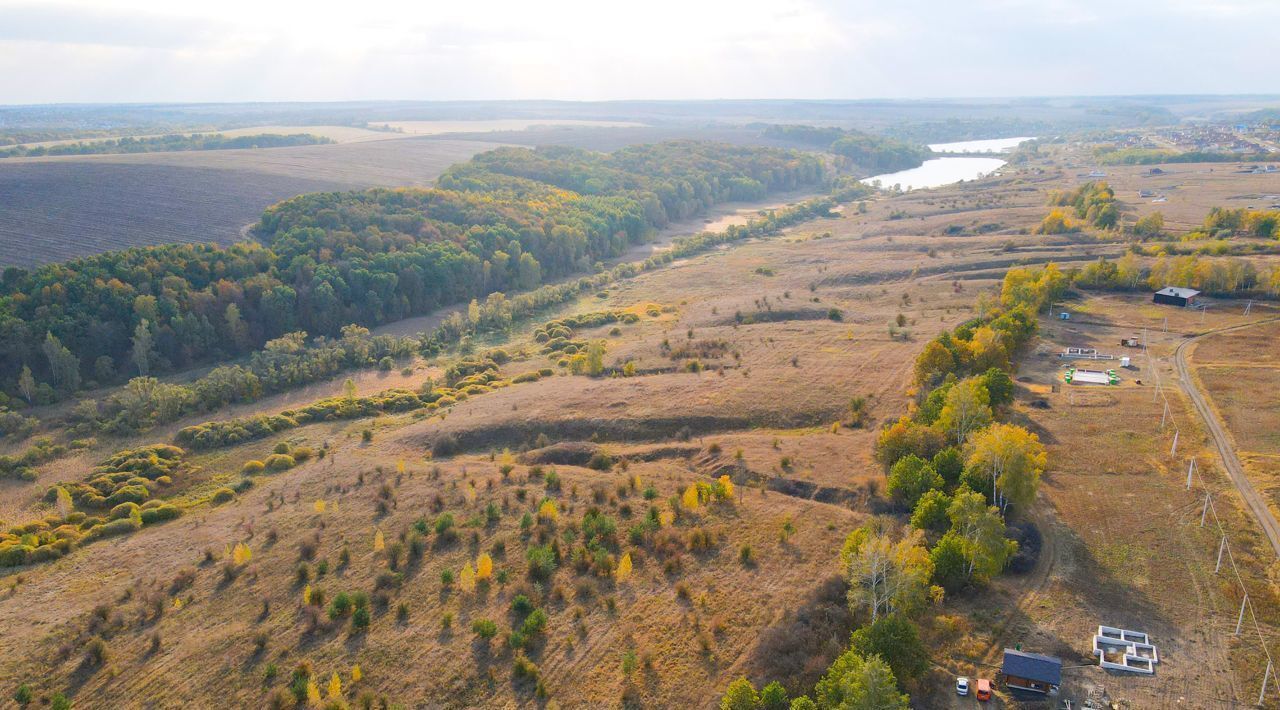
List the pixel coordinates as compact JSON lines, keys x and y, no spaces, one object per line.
{"x":360,"y":619}
{"x":122,"y":526}
{"x":160,"y":513}
{"x":281,"y":448}
{"x":484,"y":628}
{"x":542,"y":561}
{"x":13,"y":555}
{"x":302,"y":453}
{"x":223,"y":495}
{"x":366,"y":435}
{"x":252,"y":467}
{"x":280,"y":462}
{"x":124,"y":510}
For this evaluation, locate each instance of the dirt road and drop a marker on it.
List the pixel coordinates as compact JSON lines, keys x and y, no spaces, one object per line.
{"x":1226,"y":451}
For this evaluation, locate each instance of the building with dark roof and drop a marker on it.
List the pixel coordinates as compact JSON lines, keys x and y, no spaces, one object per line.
{"x":1175,"y":296}
{"x":1031,"y":671}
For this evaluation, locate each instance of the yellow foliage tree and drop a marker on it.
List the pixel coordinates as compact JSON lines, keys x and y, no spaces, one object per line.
{"x":726,"y":485}
{"x":666,"y":518}
{"x":623,"y":572}
{"x":241,"y":554}
{"x":379,"y":544}
{"x":484,"y":566}
{"x":356,"y":675}
{"x":470,"y":492}
{"x":313,"y":693}
{"x":467,"y":579}
{"x":548,"y":511}
{"x":319,"y":506}
{"x":177,"y":603}
{"x":335,"y":687}
{"x":690,"y":497}
{"x":400,"y":466}
{"x":64,"y":504}
{"x":306,"y":595}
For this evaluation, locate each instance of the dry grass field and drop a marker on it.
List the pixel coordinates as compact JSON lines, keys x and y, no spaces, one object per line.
{"x":786,"y":331}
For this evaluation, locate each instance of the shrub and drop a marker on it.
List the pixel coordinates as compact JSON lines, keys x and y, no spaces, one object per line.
{"x":360,"y":619}
{"x":123,"y":526}
{"x":302,"y":453}
{"x":280,"y":462}
{"x":95,"y":651}
{"x":222,"y":495}
{"x":340,"y":606}
{"x":366,"y":435}
{"x":252,"y":466}
{"x":281,"y":448}
{"x":484,"y":628}
{"x":160,"y":513}
{"x":124,"y":510}
{"x":542,"y":561}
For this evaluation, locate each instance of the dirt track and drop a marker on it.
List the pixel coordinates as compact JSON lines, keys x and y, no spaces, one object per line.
{"x":1226,"y":451}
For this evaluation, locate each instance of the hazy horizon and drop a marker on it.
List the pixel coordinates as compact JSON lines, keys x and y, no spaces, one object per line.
{"x":145,"y":51}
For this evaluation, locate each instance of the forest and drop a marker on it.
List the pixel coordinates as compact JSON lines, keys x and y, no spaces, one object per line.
{"x":870,"y":152}
{"x":508,"y":220}
{"x":165,"y":144}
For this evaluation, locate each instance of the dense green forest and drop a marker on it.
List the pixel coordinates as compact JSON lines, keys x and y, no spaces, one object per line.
{"x":870,"y":152}
{"x":165,"y":144}
{"x":508,"y":220}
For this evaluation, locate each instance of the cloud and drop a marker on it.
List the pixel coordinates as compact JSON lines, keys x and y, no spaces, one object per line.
{"x":69,"y":25}
{"x":160,"y":50}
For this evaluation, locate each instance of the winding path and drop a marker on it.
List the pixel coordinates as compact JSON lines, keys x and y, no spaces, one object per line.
{"x":1226,"y":451}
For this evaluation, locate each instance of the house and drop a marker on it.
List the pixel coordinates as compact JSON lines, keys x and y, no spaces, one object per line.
{"x":1031,"y":671}
{"x":1175,"y":296}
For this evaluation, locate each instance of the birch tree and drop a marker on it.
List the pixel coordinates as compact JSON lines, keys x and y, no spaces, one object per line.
{"x":1012,"y":459}
{"x":967,"y":409}
{"x":887,"y":576}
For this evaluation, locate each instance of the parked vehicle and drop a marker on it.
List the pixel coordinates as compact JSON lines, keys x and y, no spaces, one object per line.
{"x":962,"y":686}
{"x":984,"y":690}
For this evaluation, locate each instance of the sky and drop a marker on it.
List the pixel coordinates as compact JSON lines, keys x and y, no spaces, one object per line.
{"x":320,"y":50}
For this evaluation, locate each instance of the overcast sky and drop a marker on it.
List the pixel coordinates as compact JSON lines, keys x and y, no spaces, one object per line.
{"x":272,"y":50}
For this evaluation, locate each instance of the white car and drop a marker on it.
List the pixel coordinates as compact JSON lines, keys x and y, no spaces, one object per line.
{"x":962,"y":686}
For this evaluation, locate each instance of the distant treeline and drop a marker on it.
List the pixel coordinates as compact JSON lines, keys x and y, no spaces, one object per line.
{"x":1156,"y":156}
{"x":165,"y":144}
{"x":507,"y":220}
{"x":871,"y":152}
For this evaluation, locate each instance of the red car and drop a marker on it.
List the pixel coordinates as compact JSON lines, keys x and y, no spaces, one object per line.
{"x":984,"y":689}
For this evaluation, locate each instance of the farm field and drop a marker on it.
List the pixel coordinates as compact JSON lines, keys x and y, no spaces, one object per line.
{"x":434,"y":128}
{"x":1239,"y":372}
{"x":1190,"y":190}
{"x":64,"y":207}
{"x":744,"y":361}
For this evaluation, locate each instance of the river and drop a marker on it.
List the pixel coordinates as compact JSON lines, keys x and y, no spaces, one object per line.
{"x":936,"y":172}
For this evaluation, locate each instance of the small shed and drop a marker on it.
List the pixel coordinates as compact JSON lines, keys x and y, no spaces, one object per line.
{"x":1175,"y":296}
{"x":1031,"y":671}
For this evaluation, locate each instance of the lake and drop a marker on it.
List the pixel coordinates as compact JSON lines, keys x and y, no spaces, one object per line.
{"x":936,"y":172}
